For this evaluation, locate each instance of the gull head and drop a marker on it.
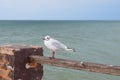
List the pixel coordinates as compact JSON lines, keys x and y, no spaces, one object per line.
{"x":46,"y":38}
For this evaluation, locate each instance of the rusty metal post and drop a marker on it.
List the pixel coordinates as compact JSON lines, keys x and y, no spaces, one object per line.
{"x":13,"y":60}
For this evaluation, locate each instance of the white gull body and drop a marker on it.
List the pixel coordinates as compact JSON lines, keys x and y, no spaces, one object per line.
{"x":55,"y":45}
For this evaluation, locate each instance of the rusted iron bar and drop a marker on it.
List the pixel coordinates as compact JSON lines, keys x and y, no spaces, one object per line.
{"x":87,"y":66}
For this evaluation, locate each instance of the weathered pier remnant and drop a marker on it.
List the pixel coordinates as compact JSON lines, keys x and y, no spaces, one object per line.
{"x":13,"y":60}
{"x":78,"y":65}
{"x":24,"y":62}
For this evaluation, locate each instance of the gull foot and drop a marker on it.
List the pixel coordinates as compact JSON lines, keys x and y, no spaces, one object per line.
{"x":51,"y":57}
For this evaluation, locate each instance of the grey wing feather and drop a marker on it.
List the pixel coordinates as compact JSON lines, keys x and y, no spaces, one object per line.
{"x":59,"y":45}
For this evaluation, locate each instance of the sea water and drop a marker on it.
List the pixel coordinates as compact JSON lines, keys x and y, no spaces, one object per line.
{"x":94,"y":41}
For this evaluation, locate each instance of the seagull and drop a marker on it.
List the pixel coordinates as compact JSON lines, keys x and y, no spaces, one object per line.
{"x":55,"y":45}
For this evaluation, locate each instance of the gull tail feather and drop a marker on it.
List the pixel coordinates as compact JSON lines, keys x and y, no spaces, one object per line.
{"x":70,"y":49}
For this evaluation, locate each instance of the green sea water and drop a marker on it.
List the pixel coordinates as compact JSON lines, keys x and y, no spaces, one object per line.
{"x":94,"y":41}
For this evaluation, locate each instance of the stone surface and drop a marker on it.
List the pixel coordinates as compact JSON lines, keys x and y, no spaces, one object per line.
{"x":13,"y":59}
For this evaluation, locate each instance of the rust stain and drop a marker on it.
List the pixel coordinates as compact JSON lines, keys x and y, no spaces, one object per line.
{"x":32,"y":65}
{"x":4,"y":71}
{"x":4,"y":74}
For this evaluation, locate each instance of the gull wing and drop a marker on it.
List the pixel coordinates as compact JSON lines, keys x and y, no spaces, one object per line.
{"x":58,"y":45}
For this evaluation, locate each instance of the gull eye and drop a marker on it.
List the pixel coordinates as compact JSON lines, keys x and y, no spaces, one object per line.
{"x":48,"y":38}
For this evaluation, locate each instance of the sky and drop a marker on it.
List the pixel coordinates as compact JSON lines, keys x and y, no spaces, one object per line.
{"x":59,"y":9}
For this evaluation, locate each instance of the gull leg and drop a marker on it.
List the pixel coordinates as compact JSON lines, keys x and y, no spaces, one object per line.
{"x":53,"y":53}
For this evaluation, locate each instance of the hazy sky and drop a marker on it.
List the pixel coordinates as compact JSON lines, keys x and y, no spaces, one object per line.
{"x":59,"y":9}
